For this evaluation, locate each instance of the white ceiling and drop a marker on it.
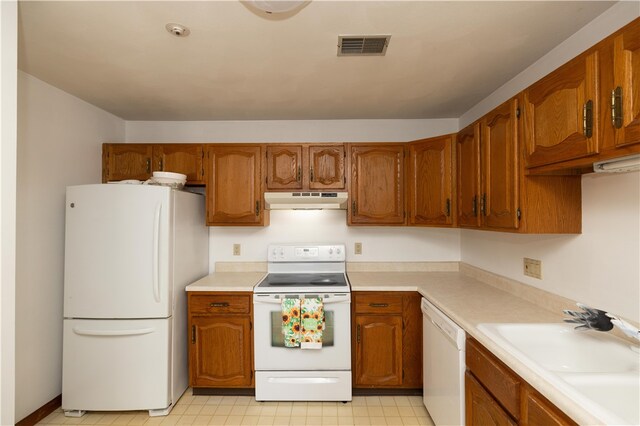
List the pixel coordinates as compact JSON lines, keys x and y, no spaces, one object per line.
{"x":238,"y":64}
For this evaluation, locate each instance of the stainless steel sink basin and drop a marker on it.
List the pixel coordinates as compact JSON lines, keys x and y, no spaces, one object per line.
{"x":597,"y":370}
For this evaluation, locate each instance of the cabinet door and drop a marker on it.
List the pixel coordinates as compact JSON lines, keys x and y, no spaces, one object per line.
{"x":126,"y":161}
{"x":326,"y":167}
{"x":377,"y":185}
{"x":220,"y":354}
{"x":234,"y":192}
{"x":284,"y":167}
{"x":626,"y":56}
{"x":180,"y":158}
{"x":468,"y":175}
{"x":430,"y":175}
{"x":560,"y":113}
{"x":481,"y":408}
{"x":378,"y":350}
{"x":539,"y":411}
{"x":499,"y":203}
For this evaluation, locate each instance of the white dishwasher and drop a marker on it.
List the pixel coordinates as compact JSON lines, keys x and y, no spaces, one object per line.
{"x":443,"y":366}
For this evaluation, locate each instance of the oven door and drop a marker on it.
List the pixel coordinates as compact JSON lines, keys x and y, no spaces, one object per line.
{"x":269,"y":349}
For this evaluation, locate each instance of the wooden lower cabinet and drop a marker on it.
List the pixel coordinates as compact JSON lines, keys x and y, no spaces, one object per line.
{"x":495,"y":395}
{"x":387,"y":340}
{"x":220,"y":348}
{"x":481,"y":408}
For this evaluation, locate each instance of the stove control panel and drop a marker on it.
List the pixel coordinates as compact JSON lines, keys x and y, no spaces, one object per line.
{"x":306,"y":253}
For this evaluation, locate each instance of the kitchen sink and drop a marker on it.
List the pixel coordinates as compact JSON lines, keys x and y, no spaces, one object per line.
{"x":558,"y":347}
{"x":597,"y":370}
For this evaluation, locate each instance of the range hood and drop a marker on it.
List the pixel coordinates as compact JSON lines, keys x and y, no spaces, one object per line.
{"x":306,"y":200}
{"x":618,"y":165}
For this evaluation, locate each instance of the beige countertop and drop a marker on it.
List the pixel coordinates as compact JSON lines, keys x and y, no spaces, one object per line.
{"x":227,"y":281}
{"x":466,"y":300}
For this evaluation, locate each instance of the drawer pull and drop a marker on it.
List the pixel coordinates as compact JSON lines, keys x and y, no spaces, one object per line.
{"x":379,"y":305}
{"x":219,"y":304}
{"x":193,"y":334}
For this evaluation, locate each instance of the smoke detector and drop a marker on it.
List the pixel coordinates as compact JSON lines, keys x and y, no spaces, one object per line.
{"x":177,"y":30}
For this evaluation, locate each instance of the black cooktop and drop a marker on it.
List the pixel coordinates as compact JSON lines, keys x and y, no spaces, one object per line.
{"x":303,"y":280}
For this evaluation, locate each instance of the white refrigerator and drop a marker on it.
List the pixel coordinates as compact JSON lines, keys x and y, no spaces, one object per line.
{"x":130,"y":251}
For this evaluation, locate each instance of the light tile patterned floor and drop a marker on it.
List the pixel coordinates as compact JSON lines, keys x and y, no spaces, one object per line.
{"x":244,"y":410}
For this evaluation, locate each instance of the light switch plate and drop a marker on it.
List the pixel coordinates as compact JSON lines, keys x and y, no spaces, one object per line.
{"x":236,"y":249}
{"x":533,"y":268}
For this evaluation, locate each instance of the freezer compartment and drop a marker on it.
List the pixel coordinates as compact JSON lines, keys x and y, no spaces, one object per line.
{"x":303,"y":385}
{"x":116,"y":364}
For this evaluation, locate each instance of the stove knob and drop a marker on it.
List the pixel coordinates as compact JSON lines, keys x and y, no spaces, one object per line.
{"x":275,"y":252}
{"x":338,"y":250}
{"x":330,"y":250}
{"x":282,"y":252}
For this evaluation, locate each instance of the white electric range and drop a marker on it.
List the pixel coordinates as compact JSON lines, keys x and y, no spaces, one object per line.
{"x":293,"y":374}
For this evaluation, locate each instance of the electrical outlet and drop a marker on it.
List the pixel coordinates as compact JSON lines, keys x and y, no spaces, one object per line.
{"x":533,"y":268}
{"x":357,"y":248}
{"x":236,"y":249}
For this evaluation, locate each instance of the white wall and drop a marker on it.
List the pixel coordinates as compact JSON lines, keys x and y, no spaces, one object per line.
{"x":600,"y":267}
{"x":59,"y":144}
{"x":396,"y":244}
{"x":8,"y":112}
{"x":289,"y":130}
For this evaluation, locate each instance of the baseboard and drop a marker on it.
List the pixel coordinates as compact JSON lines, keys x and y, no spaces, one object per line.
{"x":41,"y":412}
{"x":386,"y":392}
{"x":224,"y":391}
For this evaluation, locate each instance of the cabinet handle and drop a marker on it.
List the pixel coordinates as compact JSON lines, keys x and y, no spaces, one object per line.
{"x":354,"y":209}
{"x":358,"y":333}
{"x":193,"y":334}
{"x":311,"y":174}
{"x":483,"y":205}
{"x":379,"y":305}
{"x":616,"y":107}
{"x":161,"y":165}
{"x":474,"y":205}
{"x":587,"y":119}
{"x":219,"y":304}
{"x":447,"y":209}
{"x":257,"y":208}
{"x":299,"y":176}
{"x":148,"y":165}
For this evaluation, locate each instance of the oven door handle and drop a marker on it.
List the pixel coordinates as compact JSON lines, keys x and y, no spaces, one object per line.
{"x":333,"y":299}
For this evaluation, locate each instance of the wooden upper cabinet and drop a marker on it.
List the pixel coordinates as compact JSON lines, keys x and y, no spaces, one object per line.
{"x":234,"y":190}
{"x":305,"y":167}
{"x":126,"y":161}
{"x":468,"y":176}
{"x":499,"y":136}
{"x":138,"y":161}
{"x":429,"y":182}
{"x":180,"y":158}
{"x":560,"y":113}
{"x":284,"y":166}
{"x":326,"y":167}
{"x":377,"y":184}
{"x":625,"y":94}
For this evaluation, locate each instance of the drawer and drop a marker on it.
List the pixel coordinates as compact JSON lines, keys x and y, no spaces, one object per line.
{"x":496,"y":377}
{"x":378,"y":303}
{"x":219,"y":303}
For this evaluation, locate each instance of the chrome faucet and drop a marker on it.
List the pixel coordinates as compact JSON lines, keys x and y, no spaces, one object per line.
{"x":596,"y":319}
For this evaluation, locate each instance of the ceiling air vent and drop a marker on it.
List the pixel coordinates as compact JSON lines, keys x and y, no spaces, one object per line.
{"x":368,"y":45}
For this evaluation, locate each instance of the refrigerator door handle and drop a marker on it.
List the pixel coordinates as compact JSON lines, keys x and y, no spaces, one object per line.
{"x":132,"y":332}
{"x":156,"y":253}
